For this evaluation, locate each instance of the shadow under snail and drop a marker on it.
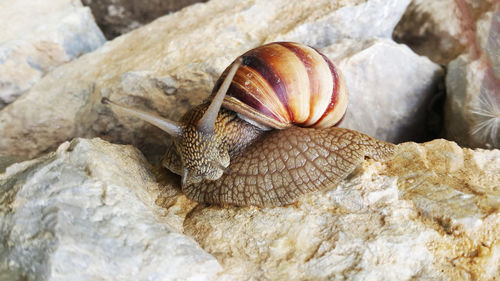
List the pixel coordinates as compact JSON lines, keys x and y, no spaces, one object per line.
{"x":249,"y":145}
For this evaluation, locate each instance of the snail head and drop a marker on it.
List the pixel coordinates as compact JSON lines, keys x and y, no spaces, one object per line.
{"x":201,"y":145}
{"x":198,"y":144}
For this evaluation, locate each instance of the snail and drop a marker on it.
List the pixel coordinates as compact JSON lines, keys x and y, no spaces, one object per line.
{"x":266,"y":135}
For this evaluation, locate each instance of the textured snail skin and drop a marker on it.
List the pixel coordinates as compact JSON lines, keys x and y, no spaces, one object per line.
{"x":226,"y":160}
{"x":270,"y":168}
{"x":282,"y":165}
{"x":231,"y":135}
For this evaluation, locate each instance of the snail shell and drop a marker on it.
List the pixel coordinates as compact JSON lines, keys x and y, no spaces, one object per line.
{"x":224,"y":160}
{"x":283,"y":84}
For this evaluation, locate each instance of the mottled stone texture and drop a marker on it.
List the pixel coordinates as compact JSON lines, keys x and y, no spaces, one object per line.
{"x":390,"y":89}
{"x":432,"y":28}
{"x":473,"y":90}
{"x":91,"y":210}
{"x":171,"y":64}
{"x":96,"y":210}
{"x":116,"y":17}
{"x":430,"y":213}
{"x":87,"y":212}
{"x":466,"y":36}
{"x":37,"y":36}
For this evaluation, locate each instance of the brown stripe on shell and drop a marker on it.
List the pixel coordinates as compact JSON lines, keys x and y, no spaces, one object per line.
{"x":251,"y":93}
{"x":249,"y":100}
{"x":335,"y":115}
{"x":294,"y":76}
{"x":288,"y":83}
{"x":261,"y":59}
{"x":251,"y":81}
{"x":335,"y":94}
{"x":248,"y":113}
{"x":303,"y":57}
{"x":320,"y":82}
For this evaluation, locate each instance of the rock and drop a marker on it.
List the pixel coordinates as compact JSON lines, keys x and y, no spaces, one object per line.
{"x":167,"y":66}
{"x":6,"y":161}
{"x":373,"y":19}
{"x":430,"y":213}
{"x":39,"y":38}
{"x":473,"y":91}
{"x":390,"y":88}
{"x":116,"y":17}
{"x":433,"y":28}
{"x":87,"y":212}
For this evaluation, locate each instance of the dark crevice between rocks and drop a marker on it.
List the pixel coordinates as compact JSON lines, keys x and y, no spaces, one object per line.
{"x":116,"y":17}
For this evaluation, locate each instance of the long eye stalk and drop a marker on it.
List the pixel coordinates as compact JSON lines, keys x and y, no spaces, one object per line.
{"x":206,"y":123}
{"x":172,"y":128}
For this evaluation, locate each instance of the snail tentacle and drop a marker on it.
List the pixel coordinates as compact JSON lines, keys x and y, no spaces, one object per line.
{"x":172,"y":128}
{"x":207,"y":123}
{"x":225,"y":151}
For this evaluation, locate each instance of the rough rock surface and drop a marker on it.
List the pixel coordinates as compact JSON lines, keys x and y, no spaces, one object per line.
{"x":390,"y":88}
{"x":473,"y":90}
{"x":431,"y":213}
{"x":116,"y":17}
{"x":87,"y":212}
{"x":169,"y":65}
{"x":432,"y":28}
{"x":37,"y":36}
{"x":371,"y":22}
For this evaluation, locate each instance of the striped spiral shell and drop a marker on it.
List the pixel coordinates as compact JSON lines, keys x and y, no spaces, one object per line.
{"x":284,"y":83}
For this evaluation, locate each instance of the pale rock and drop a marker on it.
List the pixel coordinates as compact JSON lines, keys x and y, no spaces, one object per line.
{"x":373,"y":19}
{"x":116,"y":17}
{"x":432,"y":27}
{"x":168,"y":66}
{"x":90,"y":210}
{"x":6,"y":161}
{"x":472,"y":109}
{"x":37,"y":36}
{"x":431,"y":213}
{"x":87,"y":212}
{"x":390,"y":88}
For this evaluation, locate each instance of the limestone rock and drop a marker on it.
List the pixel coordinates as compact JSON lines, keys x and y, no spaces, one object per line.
{"x":473,"y":91}
{"x":38,"y":36}
{"x":432,"y":28}
{"x":167,"y":66}
{"x":116,"y":17}
{"x":6,"y":161}
{"x":373,"y":19}
{"x":90,"y":210}
{"x":430,"y":213}
{"x":87,"y":212}
{"x":390,"y":88}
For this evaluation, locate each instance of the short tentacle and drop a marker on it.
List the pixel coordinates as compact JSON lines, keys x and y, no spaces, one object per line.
{"x":207,"y":122}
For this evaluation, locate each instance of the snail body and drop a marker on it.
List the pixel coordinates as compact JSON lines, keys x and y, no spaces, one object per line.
{"x":226,"y":150}
{"x":282,"y":165}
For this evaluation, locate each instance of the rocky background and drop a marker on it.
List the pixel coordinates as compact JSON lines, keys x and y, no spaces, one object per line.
{"x":82,"y":196}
